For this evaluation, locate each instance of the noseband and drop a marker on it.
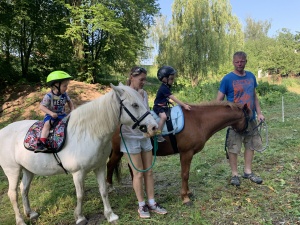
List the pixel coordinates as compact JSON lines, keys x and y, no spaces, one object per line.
{"x":142,"y":128}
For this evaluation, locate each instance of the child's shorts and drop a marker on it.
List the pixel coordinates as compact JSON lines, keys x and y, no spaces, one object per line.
{"x":160,"y":109}
{"x":251,"y":141}
{"x":135,"y":146}
{"x":59,"y":117}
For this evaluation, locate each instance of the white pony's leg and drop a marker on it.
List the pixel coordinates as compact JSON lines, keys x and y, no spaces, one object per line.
{"x":78,"y":179}
{"x":108,"y":213}
{"x":24,"y":187}
{"x":13,"y":179}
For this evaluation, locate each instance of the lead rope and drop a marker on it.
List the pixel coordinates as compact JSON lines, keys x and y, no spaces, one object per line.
{"x":155,"y":150}
{"x":259,"y":127}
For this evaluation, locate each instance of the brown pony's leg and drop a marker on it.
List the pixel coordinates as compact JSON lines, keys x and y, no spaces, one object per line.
{"x":185,"y":160}
{"x":113,"y":165}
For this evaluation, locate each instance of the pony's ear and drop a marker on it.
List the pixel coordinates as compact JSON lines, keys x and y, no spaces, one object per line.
{"x":119,"y":91}
{"x":245,"y":107}
{"x":120,"y":84}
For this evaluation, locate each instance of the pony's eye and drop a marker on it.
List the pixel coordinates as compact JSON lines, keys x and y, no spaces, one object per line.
{"x":135,"y":105}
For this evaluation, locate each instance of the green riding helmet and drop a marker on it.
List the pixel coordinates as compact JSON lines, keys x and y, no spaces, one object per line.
{"x":57,"y":76}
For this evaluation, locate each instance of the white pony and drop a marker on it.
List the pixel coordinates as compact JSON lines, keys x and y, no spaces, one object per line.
{"x":87,"y":148}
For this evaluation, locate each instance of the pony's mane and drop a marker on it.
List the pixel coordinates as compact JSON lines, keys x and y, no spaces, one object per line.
{"x":96,"y":118}
{"x":100,"y":116}
{"x":219,"y":103}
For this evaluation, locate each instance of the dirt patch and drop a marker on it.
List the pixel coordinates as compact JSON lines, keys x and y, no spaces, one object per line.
{"x":22,"y":102}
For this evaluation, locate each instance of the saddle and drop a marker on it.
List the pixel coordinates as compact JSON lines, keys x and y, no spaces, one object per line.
{"x":175,"y":115}
{"x":55,"y":140}
{"x":173,"y":125}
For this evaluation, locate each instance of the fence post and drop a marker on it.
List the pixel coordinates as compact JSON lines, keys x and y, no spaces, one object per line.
{"x":282,"y":109}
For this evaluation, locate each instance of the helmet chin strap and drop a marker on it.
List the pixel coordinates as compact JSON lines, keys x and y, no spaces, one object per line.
{"x":168,"y":82}
{"x":58,"y":88}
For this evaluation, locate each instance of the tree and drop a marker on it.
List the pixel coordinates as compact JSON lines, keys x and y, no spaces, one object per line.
{"x":108,"y":35}
{"x":25,"y":30}
{"x":256,"y":29}
{"x":202,"y":37}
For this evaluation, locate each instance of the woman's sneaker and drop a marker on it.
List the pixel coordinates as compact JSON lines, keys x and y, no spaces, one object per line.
{"x":144,"y":212}
{"x":157,"y":208}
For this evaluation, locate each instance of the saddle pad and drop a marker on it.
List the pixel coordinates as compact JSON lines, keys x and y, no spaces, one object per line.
{"x":55,"y":140}
{"x":177,"y":120}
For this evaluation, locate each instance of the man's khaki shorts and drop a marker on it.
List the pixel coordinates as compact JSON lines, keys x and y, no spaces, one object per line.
{"x":251,"y":139}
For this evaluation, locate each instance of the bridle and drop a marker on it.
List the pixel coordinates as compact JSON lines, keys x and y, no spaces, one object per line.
{"x":247,"y":119}
{"x":142,"y":128}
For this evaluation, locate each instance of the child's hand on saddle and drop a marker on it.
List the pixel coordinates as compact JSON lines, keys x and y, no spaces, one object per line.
{"x":54,"y":115}
{"x":187,"y":107}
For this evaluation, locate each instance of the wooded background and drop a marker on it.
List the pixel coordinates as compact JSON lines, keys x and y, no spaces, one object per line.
{"x":92,"y":39}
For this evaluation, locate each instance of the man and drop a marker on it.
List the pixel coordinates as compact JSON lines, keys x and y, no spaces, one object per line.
{"x":239,"y":86}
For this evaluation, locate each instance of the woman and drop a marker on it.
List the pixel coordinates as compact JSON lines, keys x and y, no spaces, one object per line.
{"x":140,"y":151}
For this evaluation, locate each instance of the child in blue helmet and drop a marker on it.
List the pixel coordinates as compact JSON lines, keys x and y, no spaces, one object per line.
{"x":53,"y":104}
{"x":166,"y":75}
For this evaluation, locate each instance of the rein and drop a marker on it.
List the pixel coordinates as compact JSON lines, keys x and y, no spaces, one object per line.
{"x":155,"y":150}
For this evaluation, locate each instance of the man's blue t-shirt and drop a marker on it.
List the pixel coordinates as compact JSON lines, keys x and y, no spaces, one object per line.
{"x":240,"y":89}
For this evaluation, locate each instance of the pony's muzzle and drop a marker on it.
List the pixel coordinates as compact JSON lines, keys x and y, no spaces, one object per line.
{"x":149,"y":128}
{"x":149,"y":131}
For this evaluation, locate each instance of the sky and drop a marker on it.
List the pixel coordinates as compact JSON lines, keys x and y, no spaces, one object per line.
{"x":281,"y":13}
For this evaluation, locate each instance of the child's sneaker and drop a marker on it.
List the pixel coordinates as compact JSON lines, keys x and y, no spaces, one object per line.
{"x":160,"y":138}
{"x":144,"y":212}
{"x":41,"y":147}
{"x":157,"y":208}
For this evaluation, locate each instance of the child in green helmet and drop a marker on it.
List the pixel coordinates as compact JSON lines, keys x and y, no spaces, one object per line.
{"x":53,"y":104}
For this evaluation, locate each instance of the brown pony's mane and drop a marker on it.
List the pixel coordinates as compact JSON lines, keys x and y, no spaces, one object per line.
{"x":219,"y":103}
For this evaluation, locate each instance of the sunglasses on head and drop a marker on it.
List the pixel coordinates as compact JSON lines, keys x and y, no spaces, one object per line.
{"x":139,"y":70}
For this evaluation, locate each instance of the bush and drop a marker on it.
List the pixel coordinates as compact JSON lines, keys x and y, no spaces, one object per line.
{"x":265,"y":88}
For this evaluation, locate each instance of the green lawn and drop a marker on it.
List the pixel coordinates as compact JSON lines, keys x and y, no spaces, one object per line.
{"x":274,"y":202}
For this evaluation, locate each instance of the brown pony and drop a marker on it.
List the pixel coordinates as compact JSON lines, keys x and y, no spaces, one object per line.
{"x":201,"y":122}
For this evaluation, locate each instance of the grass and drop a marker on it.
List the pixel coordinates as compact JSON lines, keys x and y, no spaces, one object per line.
{"x":215,"y":201}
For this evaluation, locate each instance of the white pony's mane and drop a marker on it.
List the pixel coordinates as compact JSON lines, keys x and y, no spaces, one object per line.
{"x":96,"y":118}
{"x":100,"y":116}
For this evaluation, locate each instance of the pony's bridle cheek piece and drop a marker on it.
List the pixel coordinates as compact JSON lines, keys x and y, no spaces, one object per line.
{"x":143,"y":128}
{"x":247,"y":118}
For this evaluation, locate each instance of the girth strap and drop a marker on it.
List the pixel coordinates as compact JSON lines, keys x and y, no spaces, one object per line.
{"x":59,"y":162}
{"x":170,"y":128}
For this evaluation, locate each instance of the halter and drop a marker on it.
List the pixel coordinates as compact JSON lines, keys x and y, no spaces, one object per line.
{"x":142,"y":128}
{"x":241,"y":132}
{"x":247,"y":118}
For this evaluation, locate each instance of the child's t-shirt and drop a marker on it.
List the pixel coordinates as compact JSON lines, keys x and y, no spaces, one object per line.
{"x":162,"y":95}
{"x":55,"y":103}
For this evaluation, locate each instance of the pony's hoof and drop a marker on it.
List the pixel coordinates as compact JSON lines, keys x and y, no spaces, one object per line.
{"x":110,"y":188}
{"x":81,"y":221}
{"x":113,"y":218}
{"x":188,"y":204}
{"x":33,"y":215}
{"x":190,"y":195}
